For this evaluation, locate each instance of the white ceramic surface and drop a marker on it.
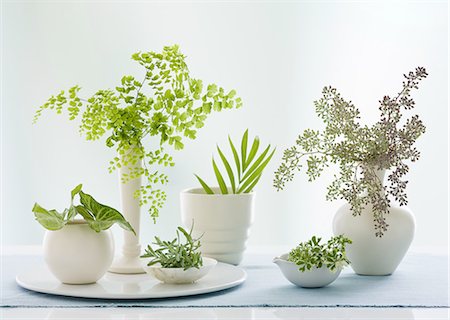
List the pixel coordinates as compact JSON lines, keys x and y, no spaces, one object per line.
{"x":314,"y":278}
{"x":179,"y":275}
{"x":133,"y":286}
{"x":371,"y":255}
{"x":128,"y":261}
{"x":224,"y":221}
{"x":76,"y":254}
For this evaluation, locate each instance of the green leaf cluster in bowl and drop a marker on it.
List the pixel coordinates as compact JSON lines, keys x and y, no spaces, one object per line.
{"x":313,"y":253}
{"x":249,"y":167}
{"x":176,"y":253}
{"x":98,"y":216}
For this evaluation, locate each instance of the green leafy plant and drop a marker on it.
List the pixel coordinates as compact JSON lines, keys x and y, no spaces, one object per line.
{"x":360,"y":151}
{"x":98,"y":216}
{"x":312,"y":253}
{"x":176,"y":253}
{"x":167,"y":103}
{"x":248,"y":167}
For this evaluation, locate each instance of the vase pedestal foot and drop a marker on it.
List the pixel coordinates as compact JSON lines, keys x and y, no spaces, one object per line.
{"x":127,"y":265}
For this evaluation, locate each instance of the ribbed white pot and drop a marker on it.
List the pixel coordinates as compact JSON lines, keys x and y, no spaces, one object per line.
{"x":369,"y":254}
{"x":223,"y":220}
{"x":76,"y":254}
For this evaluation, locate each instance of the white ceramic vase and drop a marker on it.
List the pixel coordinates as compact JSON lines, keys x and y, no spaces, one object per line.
{"x":369,"y":254}
{"x":223,"y":220}
{"x":128,"y":261}
{"x":76,"y":254}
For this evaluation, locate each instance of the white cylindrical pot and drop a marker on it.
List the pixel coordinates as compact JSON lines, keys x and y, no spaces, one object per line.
{"x":369,"y":254}
{"x":76,"y":254}
{"x":224,"y":220}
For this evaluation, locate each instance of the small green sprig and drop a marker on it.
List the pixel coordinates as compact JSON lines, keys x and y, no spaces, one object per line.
{"x":249,"y":167}
{"x":98,"y":216}
{"x":312,"y":253}
{"x":176,"y":253}
{"x":166,"y":104}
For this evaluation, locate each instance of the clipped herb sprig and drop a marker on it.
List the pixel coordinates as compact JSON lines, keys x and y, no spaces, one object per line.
{"x":165,"y":103}
{"x":248,"y":167}
{"x":98,"y":216}
{"x":313,"y":253}
{"x":176,"y":253}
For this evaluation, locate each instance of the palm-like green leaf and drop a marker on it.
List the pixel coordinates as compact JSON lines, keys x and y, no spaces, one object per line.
{"x":253,"y":151}
{"x":256,"y":174}
{"x":207,"y":189}
{"x":244,"y":150}
{"x":220,"y":180}
{"x":236,"y":158}
{"x":248,"y":169}
{"x":228,"y":168}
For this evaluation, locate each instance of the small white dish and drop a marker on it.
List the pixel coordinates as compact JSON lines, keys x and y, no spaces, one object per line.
{"x":314,"y":278}
{"x":179,"y":275}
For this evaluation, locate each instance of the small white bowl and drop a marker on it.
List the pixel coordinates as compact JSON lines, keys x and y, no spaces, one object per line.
{"x":179,"y":275}
{"x":314,"y":278}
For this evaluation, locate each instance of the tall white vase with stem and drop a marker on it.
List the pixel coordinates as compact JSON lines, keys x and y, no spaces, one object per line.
{"x":128,"y":261}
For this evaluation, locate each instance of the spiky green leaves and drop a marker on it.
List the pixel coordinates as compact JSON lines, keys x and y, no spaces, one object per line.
{"x":248,"y":167}
{"x":166,"y":103}
{"x":176,"y":253}
{"x":98,"y":216}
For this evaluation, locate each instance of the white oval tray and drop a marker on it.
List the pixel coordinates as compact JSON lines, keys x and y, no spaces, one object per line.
{"x":135,"y":286}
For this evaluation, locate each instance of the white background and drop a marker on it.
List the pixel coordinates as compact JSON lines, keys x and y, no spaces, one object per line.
{"x":277,"y":55}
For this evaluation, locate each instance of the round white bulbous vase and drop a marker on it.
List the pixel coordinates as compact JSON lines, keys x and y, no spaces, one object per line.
{"x":369,"y":254}
{"x":76,"y":254}
{"x":222,"y":221}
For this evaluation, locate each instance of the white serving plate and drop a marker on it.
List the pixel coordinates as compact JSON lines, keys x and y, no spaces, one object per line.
{"x":134,"y":286}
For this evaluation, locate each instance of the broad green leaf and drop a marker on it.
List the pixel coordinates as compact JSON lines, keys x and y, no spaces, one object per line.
{"x":207,"y":189}
{"x":228,"y":168}
{"x":220,"y":181}
{"x":244,"y":150}
{"x":236,"y":158}
{"x":253,"y":152}
{"x":84,"y":213}
{"x":76,"y":190}
{"x":256,"y":163}
{"x":104,"y":216}
{"x":49,"y":219}
{"x":71,"y":213}
{"x":255,"y":174}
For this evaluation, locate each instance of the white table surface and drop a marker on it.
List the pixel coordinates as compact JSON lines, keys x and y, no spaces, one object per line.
{"x":219,"y":313}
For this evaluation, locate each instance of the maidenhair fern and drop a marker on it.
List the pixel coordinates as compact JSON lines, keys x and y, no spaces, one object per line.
{"x":167,"y":103}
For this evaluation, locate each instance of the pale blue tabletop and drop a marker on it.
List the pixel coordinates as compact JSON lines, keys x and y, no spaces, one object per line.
{"x":420,"y":281}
